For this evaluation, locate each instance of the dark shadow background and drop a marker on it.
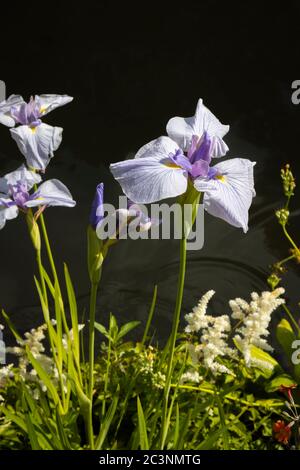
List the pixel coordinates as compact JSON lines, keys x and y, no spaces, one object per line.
{"x":130,"y":67}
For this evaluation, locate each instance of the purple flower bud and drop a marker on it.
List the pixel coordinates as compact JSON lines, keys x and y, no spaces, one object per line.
{"x":97,"y":212}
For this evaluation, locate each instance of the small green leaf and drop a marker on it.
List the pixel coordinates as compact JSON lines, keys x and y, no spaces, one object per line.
{"x":102,"y":330}
{"x":125,"y":329}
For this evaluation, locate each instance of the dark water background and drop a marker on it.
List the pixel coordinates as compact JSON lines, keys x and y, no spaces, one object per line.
{"x":132,"y":66}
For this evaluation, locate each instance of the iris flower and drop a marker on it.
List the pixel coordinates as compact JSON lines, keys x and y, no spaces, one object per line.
{"x":163,"y":167}
{"x":121,"y":217}
{"x":36,"y":140}
{"x":15,"y":194}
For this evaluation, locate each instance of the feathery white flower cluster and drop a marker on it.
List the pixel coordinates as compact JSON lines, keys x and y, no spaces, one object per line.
{"x":213,"y":331}
{"x":197,"y":318}
{"x":33,"y":341}
{"x":191,"y":376}
{"x":147,"y":368}
{"x":6,"y":373}
{"x":255,"y":318}
{"x":213,"y":336}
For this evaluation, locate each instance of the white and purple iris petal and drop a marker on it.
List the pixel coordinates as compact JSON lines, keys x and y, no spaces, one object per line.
{"x":182,"y":130}
{"x":51,"y":193}
{"x":5,"y":109}
{"x":37,"y":144}
{"x":228,"y":195}
{"x":161,"y":170}
{"x":228,"y":186}
{"x":14,"y":189}
{"x":36,"y":141}
{"x":15,"y":196}
{"x":152,"y":175}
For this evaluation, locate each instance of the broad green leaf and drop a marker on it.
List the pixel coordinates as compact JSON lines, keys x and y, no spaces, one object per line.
{"x":262,"y":357}
{"x":18,"y":420}
{"x":275,"y":383}
{"x":285,"y":336}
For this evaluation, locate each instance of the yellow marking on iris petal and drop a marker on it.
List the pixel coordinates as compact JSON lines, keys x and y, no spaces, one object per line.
{"x":221,"y":178}
{"x":43,"y":109}
{"x":172,"y":165}
{"x":33,"y":129}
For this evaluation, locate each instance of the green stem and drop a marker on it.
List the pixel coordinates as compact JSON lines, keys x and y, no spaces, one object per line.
{"x":107,"y":373}
{"x":228,"y":396}
{"x":285,"y":260}
{"x":89,"y":427}
{"x":54,"y":272}
{"x":150,"y":316}
{"x":48,"y":247}
{"x":290,"y":239}
{"x":42,"y":279}
{"x":58,"y":365}
{"x":176,"y":319}
{"x":291,"y":317}
{"x":93,"y":300}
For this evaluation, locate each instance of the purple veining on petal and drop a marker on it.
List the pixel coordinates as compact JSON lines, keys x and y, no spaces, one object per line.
{"x":202,"y":151}
{"x":27,"y":113}
{"x":181,"y":160}
{"x":193,"y":146}
{"x":7,"y":203}
{"x":213,"y":173}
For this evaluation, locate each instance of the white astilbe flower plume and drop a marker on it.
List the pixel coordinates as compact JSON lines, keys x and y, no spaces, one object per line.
{"x":197,"y":319}
{"x":213,"y":336}
{"x":255,"y":318}
{"x":191,"y":376}
{"x":33,"y":340}
{"x":6,"y":373}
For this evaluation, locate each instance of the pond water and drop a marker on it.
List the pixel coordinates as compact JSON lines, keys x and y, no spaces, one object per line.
{"x":231,"y":262}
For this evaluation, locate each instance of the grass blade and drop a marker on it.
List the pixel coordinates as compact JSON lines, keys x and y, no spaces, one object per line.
{"x":143,"y":437}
